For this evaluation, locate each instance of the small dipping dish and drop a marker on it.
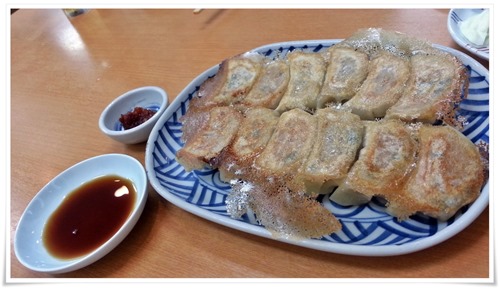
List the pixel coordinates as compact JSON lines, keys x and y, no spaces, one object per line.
{"x":148,"y":97}
{"x":30,"y":243}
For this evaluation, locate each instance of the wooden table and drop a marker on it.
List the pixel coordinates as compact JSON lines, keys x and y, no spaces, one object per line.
{"x":65,"y":71}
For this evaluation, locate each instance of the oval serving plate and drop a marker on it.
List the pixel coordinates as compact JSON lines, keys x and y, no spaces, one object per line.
{"x":367,"y":230}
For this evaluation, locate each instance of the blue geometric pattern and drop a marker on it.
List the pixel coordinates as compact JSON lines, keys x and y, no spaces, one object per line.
{"x":366,"y":225}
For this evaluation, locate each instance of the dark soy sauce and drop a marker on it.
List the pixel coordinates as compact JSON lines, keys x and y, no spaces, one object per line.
{"x":89,"y":216}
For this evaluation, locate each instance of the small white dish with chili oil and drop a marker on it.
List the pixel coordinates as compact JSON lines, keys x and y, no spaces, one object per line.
{"x":130,"y":117}
{"x":82,"y":214}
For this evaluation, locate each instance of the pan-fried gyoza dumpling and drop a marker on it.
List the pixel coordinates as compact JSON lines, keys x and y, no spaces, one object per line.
{"x":448,"y":175}
{"x":233,"y":81}
{"x":346,"y":71}
{"x":338,"y":138}
{"x":433,"y":90}
{"x":289,"y":145}
{"x":307,"y":71}
{"x":385,"y":161}
{"x":255,"y":131}
{"x":382,"y":88}
{"x":207,"y":142}
{"x":270,"y":86}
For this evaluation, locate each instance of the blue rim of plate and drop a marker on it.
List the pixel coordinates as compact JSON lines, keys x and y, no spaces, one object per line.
{"x":367,"y":230}
{"x":455,"y":16}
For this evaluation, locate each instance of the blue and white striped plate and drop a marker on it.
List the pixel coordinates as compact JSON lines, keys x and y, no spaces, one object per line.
{"x":455,"y":16}
{"x":367,"y":230}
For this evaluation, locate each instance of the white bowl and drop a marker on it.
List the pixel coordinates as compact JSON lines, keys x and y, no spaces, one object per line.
{"x":455,"y":16}
{"x":28,"y":243}
{"x":150,"y":97}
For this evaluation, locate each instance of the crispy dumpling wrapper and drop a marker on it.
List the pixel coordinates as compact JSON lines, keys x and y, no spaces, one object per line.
{"x":289,"y":145}
{"x":382,"y":88}
{"x":307,"y":71}
{"x":339,"y":135}
{"x":252,"y":137}
{"x":269,"y":86}
{"x":208,"y":141}
{"x":233,"y":81}
{"x":433,"y":91}
{"x":347,"y":70}
{"x":448,"y":175}
{"x":285,"y":213}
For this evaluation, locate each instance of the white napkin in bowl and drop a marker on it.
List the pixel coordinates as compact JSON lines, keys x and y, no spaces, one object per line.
{"x":476,"y":28}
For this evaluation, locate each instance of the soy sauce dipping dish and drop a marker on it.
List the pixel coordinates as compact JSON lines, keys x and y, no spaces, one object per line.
{"x":29,"y":245}
{"x":148,"y":97}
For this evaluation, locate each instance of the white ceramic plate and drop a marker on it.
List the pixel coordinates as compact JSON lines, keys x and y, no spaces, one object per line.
{"x":455,"y":16}
{"x":367,"y":230}
{"x":28,"y":244}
